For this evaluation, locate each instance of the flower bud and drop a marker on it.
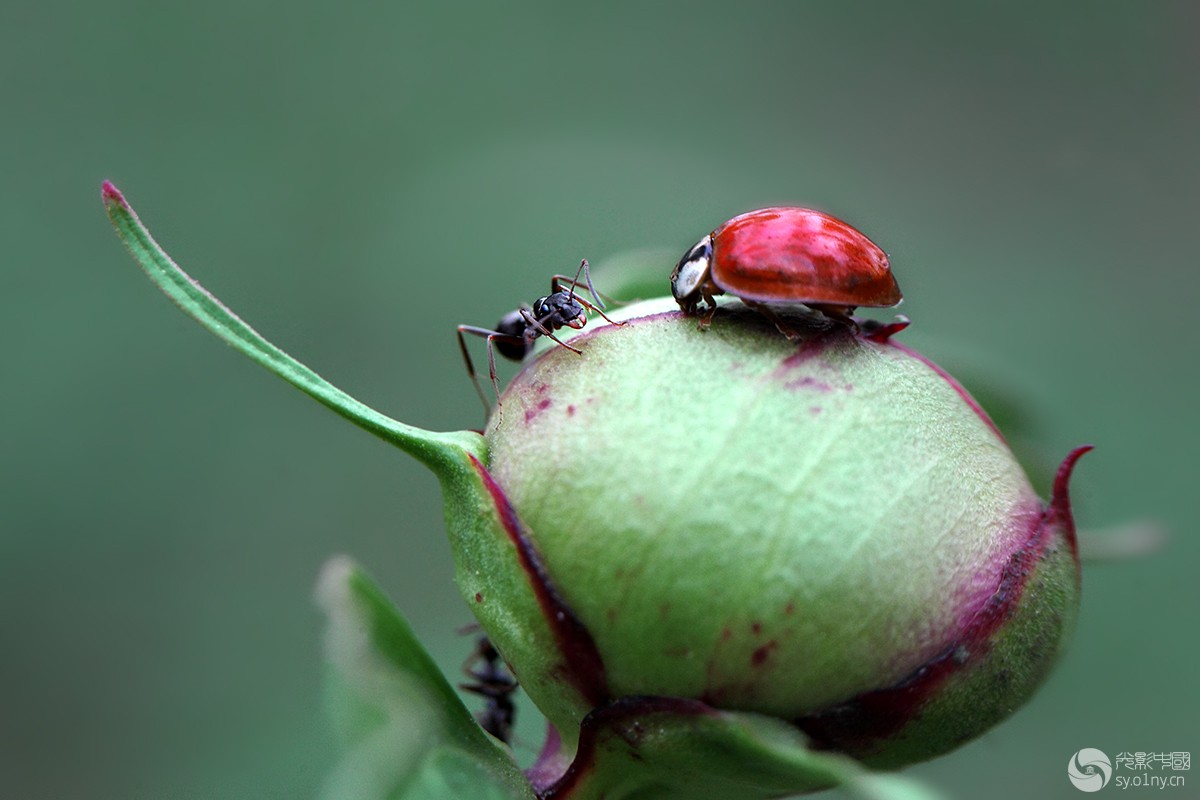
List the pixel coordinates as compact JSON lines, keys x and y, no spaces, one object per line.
{"x":709,"y":554}
{"x":829,"y":531}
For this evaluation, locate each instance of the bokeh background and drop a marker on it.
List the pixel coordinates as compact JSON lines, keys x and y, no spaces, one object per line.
{"x":355,"y":179}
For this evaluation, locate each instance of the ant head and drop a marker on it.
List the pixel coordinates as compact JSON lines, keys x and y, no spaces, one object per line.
{"x":560,"y":309}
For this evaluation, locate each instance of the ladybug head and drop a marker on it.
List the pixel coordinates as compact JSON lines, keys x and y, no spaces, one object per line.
{"x":691,"y":273}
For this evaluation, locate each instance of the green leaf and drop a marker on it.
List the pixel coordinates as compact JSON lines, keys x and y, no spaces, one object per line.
{"x":438,"y":450}
{"x":406,"y":733}
{"x":452,"y":774}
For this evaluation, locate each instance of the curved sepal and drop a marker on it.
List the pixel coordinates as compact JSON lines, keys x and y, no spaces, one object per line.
{"x":500,"y":572}
{"x":434,"y":449}
{"x":656,"y":748}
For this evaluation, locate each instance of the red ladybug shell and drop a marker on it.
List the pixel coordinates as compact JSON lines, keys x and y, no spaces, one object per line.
{"x":797,"y":255}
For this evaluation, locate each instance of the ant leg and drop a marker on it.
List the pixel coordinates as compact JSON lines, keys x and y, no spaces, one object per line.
{"x":544,"y":331}
{"x":591,"y":307}
{"x":491,"y":681}
{"x":563,"y":280}
{"x":492,"y":364}
{"x":557,"y":281}
{"x":489,"y":335}
{"x":599,"y":298}
{"x":556,"y":284}
{"x":462,"y":345}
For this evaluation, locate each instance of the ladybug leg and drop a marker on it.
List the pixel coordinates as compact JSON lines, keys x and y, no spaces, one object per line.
{"x":838,"y":314}
{"x":787,"y":330}
{"x":705,"y":316}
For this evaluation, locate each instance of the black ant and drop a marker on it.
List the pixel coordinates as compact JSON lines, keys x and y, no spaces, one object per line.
{"x":516,"y":331}
{"x":491,"y":681}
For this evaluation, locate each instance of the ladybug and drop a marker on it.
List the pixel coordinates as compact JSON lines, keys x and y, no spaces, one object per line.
{"x":782,"y":256}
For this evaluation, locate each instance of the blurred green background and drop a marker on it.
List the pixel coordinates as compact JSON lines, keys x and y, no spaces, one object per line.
{"x":355,"y":179}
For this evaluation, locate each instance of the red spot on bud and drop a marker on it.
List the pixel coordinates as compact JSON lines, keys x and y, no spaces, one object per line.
{"x":759,"y":656}
{"x":809,"y":382}
{"x":532,"y":413}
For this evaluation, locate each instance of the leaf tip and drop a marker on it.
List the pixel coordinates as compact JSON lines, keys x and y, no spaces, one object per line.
{"x":112,"y":195}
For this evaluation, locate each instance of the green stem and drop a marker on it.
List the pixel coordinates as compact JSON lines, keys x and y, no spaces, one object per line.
{"x":437,"y":450}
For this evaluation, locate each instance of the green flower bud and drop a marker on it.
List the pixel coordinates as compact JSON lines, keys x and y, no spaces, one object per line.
{"x":830,"y":532}
{"x":723,"y":563}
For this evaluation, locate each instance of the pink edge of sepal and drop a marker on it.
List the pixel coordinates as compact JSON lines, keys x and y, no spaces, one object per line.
{"x":882,"y":332}
{"x":1058,"y":513}
{"x":628,"y":719}
{"x":955,"y":385}
{"x":861,"y":723}
{"x":583,"y":666}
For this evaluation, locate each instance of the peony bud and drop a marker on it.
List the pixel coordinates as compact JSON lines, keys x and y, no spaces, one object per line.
{"x":829,"y":532}
{"x":710,"y":555}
